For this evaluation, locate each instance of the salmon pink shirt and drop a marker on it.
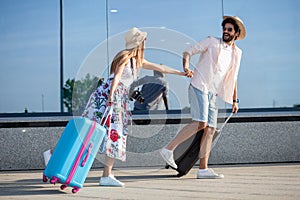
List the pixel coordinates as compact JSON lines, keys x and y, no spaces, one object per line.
{"x":217,"y":68}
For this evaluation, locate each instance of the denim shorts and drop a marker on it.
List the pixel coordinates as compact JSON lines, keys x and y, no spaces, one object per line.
{"x":203,"y":106}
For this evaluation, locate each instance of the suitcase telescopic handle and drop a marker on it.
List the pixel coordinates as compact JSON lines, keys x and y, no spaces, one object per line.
{"x":218,"y":132}
{"x":107,"y":112}
{"x":228,"y":118}
{"x":87,"y":155}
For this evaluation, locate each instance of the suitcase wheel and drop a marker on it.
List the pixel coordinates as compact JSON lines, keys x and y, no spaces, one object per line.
{"x":45,"y":179}
{"x":75,"y":189}
{"x":54,"y":180}
{"x":167,"y":166}
{"x":62,"y":187}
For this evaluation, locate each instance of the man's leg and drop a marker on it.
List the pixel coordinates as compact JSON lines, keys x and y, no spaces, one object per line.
{"x":199,"y":112}
{"x":205,"y":146}
{"x":185,"y":133}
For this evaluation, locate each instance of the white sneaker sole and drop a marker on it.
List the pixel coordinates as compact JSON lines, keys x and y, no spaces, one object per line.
{"x":111,"y":184}
{"x":210,"y":177}
{"x":104,"y":185}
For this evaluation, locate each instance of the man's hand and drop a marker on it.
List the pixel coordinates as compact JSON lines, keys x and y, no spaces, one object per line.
{"x":235,"y":107}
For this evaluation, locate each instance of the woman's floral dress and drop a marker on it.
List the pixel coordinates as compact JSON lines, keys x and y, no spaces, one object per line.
{"x":114,"y":145}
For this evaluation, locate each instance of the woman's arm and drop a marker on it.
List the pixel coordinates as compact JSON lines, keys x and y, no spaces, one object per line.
{"x":161,"y":68}
{"x":117,"y":75}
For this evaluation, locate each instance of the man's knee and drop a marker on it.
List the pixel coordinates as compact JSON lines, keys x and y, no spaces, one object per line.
{"x":211,"y":130}
{"x":202,"y":125}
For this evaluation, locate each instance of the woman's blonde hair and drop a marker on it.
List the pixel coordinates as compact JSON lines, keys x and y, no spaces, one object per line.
{"x":124,"y":56}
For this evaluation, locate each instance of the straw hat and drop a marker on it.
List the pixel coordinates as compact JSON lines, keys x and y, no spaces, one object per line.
{"x":240,"y":23}
{"x":134,"y":37}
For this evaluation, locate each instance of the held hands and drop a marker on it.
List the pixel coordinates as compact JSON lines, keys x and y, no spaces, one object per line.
{"x":189,"y":73}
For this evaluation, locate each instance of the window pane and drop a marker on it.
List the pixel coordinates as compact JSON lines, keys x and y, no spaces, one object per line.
{"x":30,"y":46}
{"x":29,"y":53}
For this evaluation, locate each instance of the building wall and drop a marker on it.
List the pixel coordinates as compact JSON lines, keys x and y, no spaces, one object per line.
{"x":241,"y":142}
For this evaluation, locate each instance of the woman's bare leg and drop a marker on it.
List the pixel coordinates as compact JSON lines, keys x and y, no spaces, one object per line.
{"x":109,"y":162}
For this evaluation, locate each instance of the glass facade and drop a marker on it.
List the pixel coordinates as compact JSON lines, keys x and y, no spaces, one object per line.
{"x":93,"y":32}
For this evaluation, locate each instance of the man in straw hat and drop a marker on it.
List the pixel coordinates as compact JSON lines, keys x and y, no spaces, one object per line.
{"x":214,"y":75}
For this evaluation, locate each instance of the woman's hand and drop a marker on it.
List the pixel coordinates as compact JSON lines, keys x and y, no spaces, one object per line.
{"x":109,"y":102}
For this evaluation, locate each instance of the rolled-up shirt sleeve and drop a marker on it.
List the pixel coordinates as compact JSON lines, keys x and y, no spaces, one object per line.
{"x":199,"y":47}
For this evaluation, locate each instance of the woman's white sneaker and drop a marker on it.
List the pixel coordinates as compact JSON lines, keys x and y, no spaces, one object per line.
{"x":110,"y":181}
{"x":208,"y":174}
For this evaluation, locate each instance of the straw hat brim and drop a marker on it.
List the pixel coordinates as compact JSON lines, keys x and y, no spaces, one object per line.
{"x":240,"y":24}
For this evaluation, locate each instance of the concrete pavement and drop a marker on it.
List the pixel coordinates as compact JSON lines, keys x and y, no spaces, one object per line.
{"x":266,"y":181}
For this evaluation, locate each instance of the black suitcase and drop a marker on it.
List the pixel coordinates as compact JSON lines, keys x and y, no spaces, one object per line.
{"x":187,"y":153}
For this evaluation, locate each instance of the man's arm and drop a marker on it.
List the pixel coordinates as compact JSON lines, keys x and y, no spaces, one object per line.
{"x":186,"y":61}
{"x":235,"y":102}
{"x":186,"y":64}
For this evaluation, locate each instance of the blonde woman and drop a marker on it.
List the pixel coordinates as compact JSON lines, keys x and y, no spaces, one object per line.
{"x":124,"y":70}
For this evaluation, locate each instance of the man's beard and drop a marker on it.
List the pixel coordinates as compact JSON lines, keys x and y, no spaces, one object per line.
{"x":228,"y":39}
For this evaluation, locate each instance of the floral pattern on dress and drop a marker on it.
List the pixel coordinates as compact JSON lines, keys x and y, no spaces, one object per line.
{"x":114,"y":144}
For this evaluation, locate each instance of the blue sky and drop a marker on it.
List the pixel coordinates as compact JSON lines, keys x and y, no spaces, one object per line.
{"x":29,"y":50}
